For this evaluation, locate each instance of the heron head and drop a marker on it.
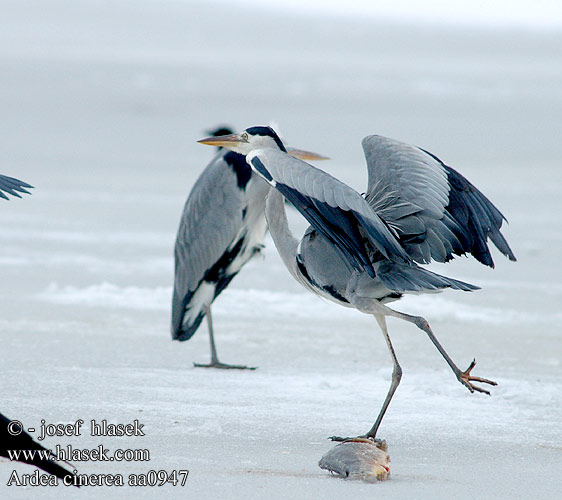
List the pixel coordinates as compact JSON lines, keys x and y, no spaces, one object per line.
{"x":258,"y":138}
{"x":252,"y":138}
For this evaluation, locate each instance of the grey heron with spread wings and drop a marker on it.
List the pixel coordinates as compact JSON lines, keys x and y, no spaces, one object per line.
{"x":221,"y":228}
{"x":364,"y":252}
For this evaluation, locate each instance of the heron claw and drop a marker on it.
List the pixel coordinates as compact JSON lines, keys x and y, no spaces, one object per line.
{"x":223,"y":366}
{"x":466,"y":379}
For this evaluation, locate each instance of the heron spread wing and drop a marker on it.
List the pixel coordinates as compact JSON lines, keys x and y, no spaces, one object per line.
{"x":12,"y":186}
{"x":435,"y":210}
{"x":206,"y":231}
{"x":334,"y":209}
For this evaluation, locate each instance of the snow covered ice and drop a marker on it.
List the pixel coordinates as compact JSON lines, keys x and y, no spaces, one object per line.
{"x":102,"y":103}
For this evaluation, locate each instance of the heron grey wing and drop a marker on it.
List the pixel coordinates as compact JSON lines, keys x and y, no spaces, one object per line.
{"x":435,"y":210}
{"x":404,"y":181}
{"x":12,"y":186}
{"x":210,"y":223}
{"x":334,"y":209}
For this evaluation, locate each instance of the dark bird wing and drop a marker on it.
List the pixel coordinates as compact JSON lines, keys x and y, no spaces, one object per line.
{"x":333,"y":208}
{"x":435,"y":210}
{"x":24,"y":441}
{"x":9,"y":185}
{"x":209,"y":226}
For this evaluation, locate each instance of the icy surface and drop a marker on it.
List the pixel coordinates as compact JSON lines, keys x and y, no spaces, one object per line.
{"x":102,"y":103}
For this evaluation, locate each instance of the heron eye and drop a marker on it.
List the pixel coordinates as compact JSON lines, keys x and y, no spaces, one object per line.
{"x":245,"y":136}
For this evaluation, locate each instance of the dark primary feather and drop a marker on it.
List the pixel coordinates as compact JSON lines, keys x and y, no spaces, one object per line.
{"x":12,"y":186}
{"x":435,"y":210}
{"x":478,"y":216}
{"x":25,"y":442}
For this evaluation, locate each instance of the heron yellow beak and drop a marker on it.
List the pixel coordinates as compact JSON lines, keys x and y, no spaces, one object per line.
{"x":228,"y":141}
{"x":301,"y":154}
{"x":223,"y":141}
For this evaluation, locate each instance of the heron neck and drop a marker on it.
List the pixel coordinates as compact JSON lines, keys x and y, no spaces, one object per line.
{"x":285,"y":242}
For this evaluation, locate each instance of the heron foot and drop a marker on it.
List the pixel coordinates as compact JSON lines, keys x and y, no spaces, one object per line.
{"x":223,"y":366}
{"x":466,"y":379}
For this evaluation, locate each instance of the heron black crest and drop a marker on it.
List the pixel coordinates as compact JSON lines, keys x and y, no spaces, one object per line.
{"x":221,"y":131}
{"x":267,"y":132}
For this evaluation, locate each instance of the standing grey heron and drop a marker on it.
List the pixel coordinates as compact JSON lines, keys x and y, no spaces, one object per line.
{"x":364,"y":252}
{"x":222,"y":227}
{"x":9,"y":185}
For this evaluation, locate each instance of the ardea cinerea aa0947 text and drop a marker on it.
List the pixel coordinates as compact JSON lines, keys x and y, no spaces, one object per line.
{"x":364,"y":252}
{"x":221,"y":228}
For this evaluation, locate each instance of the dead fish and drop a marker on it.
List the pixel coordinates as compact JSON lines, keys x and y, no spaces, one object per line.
{"x":358,"y":458}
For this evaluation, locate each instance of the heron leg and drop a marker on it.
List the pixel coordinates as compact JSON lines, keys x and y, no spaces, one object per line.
{"x":372,"y":306}
{"x":215,"y":363}
{"x":464,"y":377}
{"x":396,"y":377}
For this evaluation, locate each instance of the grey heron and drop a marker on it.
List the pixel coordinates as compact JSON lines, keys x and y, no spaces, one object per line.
{"x":9,"y":185}
{"x":221,"y":228}
{"x":364,"y":252}
{"x":16,"y":444}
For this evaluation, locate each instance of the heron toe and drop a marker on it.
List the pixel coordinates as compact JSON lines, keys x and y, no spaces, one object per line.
{"x":466,"y":379}
{"x":223,"y":366}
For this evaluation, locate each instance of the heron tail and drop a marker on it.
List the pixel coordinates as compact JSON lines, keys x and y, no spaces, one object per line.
{"x":185,"y":321}
{"x":402,"y":278}
{"x":186,"y":330}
